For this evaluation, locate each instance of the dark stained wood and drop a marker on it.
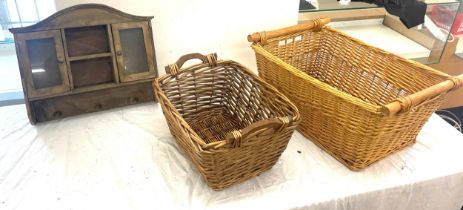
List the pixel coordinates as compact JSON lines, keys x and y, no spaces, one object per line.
{"x":87,"y":40}
{"x":94,"y":88}
{"x":85,"y":70}
{"x":82,"y":15}
{"x":113,"y":55}
{"x":68,"y":62}
{"x":152,"y":54}
{"x":92,"y":72}
{"x":148,"y":46}
{"x":30,"y":112}
{"x":70,"y":105}
{"x":86,"y":57}
{"x":25,"y":64}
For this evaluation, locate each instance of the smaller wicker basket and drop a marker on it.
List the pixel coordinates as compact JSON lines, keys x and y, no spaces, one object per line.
{"x":231,"y":124}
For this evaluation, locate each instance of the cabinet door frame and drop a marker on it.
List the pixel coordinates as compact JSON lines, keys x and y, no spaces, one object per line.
{"x":149,"y":48}
{"x":25,"y":66}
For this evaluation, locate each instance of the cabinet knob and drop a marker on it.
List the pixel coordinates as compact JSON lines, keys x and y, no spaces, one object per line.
{"x":57,"y":114}
{"x":119,"y":53}
{"x":60,"y":60}
{"x":98,"y":106}
{"x":134,"y":99}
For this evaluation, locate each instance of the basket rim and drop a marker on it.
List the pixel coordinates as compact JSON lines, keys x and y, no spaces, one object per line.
{"x":202,"y":145}
{"x":373,"y":108}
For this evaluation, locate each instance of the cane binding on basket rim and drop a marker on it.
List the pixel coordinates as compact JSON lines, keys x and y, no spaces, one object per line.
{"x":357,"y":102}
{"x":231,"y":124}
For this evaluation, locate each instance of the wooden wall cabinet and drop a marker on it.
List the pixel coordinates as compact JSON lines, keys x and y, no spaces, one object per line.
{"x":85,"y":58}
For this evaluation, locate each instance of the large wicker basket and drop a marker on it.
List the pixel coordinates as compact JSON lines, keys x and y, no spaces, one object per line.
{"x":357,"y":102}
{"x":231,"y":124}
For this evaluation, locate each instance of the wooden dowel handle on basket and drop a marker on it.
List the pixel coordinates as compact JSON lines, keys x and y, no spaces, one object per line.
{"x":313,"y":24}
{"x":173,"y":68}
{"x":236,"y":137}
{"x":406,"y":103}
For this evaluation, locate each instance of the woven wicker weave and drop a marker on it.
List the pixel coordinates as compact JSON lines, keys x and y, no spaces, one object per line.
{"x":231,"y":124}
{"x":357,"y":102}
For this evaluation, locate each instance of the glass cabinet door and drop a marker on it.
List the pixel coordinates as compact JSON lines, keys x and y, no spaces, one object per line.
{"x":43,"y":63}
{"x":134,"y":51}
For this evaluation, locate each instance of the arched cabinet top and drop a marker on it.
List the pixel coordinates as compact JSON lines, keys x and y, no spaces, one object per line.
{"x":82,"y":15}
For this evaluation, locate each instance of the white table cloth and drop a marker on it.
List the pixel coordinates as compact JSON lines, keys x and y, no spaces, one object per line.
{"x":126,"y":159}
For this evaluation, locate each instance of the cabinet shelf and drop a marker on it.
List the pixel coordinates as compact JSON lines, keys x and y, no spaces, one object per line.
{"x":86,"y":57}
{"x":87,"y":40}
{"x":92,"y":72}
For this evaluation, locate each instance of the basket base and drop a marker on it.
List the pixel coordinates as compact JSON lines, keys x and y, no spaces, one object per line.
{"x":359,"y":164}
{"x":213,"y":124}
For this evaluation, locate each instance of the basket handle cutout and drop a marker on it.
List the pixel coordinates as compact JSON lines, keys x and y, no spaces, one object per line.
{"x":314,"y":25}
{"x":173,"y":69}
{"x":237,"y":137}
{"x":413,"y":101}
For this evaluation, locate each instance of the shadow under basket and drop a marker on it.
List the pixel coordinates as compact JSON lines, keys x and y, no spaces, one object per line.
{"x":357,"y":102}
{"x":230,"y":123}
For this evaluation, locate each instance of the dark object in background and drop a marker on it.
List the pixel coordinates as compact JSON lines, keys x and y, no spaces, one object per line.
{"x":458,"y":111}
{"x":304,"y":5}
{"x":453,"y":116}
{"x":377,"y":2}
{"x":410,"y":12}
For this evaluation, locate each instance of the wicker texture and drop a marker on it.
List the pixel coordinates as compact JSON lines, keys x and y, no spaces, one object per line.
{"x":344,"y":89}
{"x":231,"y":124}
